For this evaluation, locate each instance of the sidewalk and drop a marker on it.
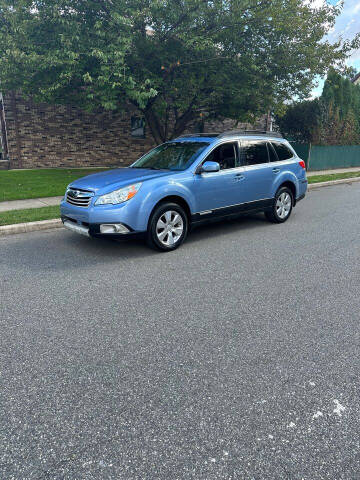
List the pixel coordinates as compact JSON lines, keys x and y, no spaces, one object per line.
{"x":30,"y":203}
{"x":330,"y":172}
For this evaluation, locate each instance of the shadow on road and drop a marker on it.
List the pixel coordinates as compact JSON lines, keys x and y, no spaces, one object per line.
{"x":64,"y":250}
{"x":221,"y":228}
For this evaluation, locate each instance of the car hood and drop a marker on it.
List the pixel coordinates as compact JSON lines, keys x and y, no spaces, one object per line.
{"x":104,"y":182}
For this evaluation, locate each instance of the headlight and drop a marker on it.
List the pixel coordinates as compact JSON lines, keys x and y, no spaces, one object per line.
{"x":119,"y":196}
{"x":67,"y":188}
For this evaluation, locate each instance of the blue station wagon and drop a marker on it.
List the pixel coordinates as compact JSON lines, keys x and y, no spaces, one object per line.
{"x":186,"y":181}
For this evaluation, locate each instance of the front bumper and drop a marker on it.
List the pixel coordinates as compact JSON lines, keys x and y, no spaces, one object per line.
{"x":93,"y":229}
{"x":128,"y":214}
{"x":75,"y":227}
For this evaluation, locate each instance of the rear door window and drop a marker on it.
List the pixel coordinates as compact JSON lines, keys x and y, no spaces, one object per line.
{"x":283,"y":152}
{"x":272,"y":154}
{"x":253,"y":153}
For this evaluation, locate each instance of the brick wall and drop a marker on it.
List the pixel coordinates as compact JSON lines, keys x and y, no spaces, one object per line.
{"x":227,"y":124}
{"x":42,"y":135}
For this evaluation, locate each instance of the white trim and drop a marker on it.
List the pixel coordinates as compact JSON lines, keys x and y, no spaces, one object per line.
{"x":229,"y":206}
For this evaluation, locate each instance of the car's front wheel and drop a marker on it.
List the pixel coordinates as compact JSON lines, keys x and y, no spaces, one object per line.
{"x":282,"y":208}
{"x":168,"y":227}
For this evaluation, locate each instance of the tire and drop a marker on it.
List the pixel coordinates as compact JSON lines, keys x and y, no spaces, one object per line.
{"x":283,"y":205}
{"x":168,"y":227}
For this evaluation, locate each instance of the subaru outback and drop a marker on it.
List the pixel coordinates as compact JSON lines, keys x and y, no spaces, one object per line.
{"x":185,"y":182}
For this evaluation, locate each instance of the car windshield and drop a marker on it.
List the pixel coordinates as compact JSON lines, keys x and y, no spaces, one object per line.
{"x":171,"y":156}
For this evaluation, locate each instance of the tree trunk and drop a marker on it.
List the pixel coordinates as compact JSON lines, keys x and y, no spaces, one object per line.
{"x":182,"y":122}
{"x":161,"y":131}
{"x":156,"y":129}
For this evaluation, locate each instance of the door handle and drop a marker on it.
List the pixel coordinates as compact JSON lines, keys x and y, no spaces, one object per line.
{"x":276,"y":170}
{"x":239,"y":177}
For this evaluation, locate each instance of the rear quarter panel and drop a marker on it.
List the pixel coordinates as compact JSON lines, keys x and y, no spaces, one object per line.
{"x":290,"y":171}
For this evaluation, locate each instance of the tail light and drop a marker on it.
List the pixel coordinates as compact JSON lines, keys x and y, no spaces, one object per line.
{"x":302,"y":164}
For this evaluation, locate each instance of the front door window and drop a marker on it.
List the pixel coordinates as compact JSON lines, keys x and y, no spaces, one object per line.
{"x":225,"y":155}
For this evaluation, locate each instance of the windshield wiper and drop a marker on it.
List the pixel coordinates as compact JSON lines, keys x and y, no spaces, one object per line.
{"x":152,"y":168}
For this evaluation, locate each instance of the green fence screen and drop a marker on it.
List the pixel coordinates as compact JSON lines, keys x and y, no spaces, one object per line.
{"x":302,"y":149}
{"x":323,"y":157}
{"x":337,"y":156}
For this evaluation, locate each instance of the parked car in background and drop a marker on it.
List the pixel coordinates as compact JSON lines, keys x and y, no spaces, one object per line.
{"x":187,"y":181}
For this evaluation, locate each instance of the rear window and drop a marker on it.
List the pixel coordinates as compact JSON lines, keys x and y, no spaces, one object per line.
{"x":272,"y":155}
{"x":283,"y":152}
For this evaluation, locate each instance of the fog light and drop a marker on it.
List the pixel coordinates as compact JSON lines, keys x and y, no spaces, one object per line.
{"x":113,"y":228}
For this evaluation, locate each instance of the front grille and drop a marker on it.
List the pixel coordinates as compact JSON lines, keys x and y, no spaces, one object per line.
{"x":79,"y":198}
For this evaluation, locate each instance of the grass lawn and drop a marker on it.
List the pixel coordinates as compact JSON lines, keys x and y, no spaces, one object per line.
{"x":334,"y":176}
{"x":29,"y":215}
{"x":52,"y":182}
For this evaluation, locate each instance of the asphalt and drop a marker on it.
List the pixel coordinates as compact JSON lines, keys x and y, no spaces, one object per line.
{"x":234,"y":357}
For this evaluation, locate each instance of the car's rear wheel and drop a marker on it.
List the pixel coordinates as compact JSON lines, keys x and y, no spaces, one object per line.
{"x":168,"y":227}
{"x":282,"y":208}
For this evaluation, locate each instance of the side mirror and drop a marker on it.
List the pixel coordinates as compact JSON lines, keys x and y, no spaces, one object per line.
{"x":210,"y":167}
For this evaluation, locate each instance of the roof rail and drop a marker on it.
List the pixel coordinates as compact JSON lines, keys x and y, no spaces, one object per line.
{"x":229,"y":133}
{"x":199,"y":135}
{"x":251,"y":132}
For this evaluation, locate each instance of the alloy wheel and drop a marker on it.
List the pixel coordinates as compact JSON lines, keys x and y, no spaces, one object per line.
{"x":169,"y":228}
{"x":283,"y":205}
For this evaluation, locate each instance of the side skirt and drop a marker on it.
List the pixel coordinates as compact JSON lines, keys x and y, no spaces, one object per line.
{"x":242,"y":208}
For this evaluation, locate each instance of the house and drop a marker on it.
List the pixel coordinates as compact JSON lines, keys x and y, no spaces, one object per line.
{"x":39,"y":135}
{"x":356,"y":79}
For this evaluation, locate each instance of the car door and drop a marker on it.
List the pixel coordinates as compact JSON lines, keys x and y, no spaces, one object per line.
{"x":218,"y":190}
{"x":283,"y":157}
{"x":258,"y":171}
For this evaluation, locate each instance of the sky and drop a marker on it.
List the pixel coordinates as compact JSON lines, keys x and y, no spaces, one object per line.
{"x":347,"y":26}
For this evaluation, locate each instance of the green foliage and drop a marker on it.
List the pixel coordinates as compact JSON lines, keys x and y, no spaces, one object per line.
{"x":29,"y":215}
{"x":333,"y":176}
{"x":333,"y":119}
{"x":173,"y":60}
{"x":44,"y":182}
{"x":300,"y":120}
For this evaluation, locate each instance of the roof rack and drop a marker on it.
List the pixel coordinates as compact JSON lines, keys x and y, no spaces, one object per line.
{"x":199,"y":135}
{"x":262,"y":133}
{"x":230,"y":133}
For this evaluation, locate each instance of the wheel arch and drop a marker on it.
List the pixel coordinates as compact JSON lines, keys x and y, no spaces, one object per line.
{"x":173,"y":199}
{"x":291,"y":185}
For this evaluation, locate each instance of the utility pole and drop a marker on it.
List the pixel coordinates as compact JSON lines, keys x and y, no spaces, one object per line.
{"x":3,"y":134}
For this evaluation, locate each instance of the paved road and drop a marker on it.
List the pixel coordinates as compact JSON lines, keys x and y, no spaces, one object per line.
{"x":235,"y":357}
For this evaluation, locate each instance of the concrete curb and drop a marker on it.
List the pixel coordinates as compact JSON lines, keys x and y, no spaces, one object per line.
{"x":312,"y":186}
{"x":30,"y":227}
{"x":57,"y":223}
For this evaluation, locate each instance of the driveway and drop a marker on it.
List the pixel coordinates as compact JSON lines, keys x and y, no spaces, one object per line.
{"x":235,"y":357}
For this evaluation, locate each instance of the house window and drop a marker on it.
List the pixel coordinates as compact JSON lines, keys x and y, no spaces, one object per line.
{"x":137,"y":127}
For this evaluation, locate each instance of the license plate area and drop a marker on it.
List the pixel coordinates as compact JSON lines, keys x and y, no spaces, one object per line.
{"x":75,"y":227}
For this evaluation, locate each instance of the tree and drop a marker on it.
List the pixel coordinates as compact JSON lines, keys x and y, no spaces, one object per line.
{"x":332,"y":119}
{"x":301,"y":120}
{"x":174,"y":60}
